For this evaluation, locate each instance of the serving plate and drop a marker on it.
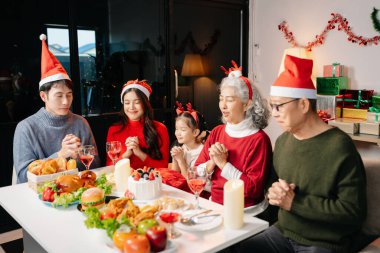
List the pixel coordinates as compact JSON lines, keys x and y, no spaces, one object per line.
{"x":52,"y":204}
{"x":205,"y":225}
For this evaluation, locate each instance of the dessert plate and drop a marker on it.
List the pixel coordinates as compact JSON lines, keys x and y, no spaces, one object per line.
{"x":204,"y":225}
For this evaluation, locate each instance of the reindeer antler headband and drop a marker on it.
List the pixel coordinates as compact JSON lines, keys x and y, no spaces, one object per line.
{"x":235,"y":72}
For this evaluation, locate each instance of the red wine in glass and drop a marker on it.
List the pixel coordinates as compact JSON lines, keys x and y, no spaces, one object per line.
{"x":197,"y":185}
{"x":170,"y":218}
{"x":113,"y":155}
{"x":113,"y":149}
{"x":86,"y":160}
{"x":86,"y":155}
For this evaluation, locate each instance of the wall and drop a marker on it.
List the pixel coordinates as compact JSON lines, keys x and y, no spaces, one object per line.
{"x":307,"y":19}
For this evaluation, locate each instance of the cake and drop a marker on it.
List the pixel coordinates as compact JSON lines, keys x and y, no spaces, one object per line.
{"x":145,"y":184}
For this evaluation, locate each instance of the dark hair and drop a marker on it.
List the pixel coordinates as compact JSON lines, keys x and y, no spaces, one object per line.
{"x":313,"y":104}
{"x":47,"y":86}
{"x":190,"y":121}
{"x":150,"y":132}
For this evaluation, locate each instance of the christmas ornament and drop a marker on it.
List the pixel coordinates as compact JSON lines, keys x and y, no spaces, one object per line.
{"x":337,"y":21}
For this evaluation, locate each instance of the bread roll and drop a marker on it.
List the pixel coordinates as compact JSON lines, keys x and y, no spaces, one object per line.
{"x":61,"y":162}
{"x":35,"y":167}
{"x":50,"y":166}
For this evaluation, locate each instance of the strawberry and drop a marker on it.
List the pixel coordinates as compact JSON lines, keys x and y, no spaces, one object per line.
{"x":137,"y":177}
{"x":151,"y":176}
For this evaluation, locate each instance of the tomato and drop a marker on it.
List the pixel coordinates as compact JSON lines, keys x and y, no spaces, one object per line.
{"x":120,"y":236}
{"x":137,"y":244}
{"x":48,"y":194}
{"x":107,"y":215}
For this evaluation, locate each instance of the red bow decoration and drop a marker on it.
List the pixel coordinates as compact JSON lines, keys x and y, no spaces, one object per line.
{"x":179,"y":109}
{"x":236,"y":68}
{"x":192,"y":112}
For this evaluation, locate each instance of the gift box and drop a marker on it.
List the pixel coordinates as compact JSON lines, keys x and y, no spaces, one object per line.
{"x":326,"y":105}
{"x":376,"y":102}
{"x":350,"y":126}
{"x":334,"y":70}
{"x":354,"y":113}
{"x":359,"y":99}
{"x":331,"y":85}
{"x":35,"y":181}
{"x":373,"y":115}
{"x":369,"y":128}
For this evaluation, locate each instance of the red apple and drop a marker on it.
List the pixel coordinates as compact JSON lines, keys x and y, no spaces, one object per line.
{"x":136,"y":244}
{"x":157,"y":237}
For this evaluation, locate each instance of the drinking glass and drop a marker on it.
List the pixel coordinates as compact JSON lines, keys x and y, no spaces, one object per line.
{"x":86,"y":155}
{"x":170,"y":217}
{"x":113,"y":149}
{"x":196,"y":179}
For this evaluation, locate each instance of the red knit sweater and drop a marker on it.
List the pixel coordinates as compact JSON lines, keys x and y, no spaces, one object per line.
{"x":252,"y":155}
{"x":135,"y":128}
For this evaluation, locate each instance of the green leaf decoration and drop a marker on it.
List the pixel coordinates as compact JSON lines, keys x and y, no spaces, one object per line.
{"x":376,"y":22}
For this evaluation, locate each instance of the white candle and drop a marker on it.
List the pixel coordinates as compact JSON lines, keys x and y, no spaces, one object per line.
{"x":233,"y":204}
{"x":122,"y":172}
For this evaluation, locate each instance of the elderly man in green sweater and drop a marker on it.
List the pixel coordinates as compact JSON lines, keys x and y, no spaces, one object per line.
{"x":320,"y":185}
{"x":53,"y":131}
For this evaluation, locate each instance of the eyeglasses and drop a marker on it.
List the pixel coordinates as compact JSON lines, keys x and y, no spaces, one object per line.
{"x":278,"y":106}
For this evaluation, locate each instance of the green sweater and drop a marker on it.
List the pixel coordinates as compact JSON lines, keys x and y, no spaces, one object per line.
{"x":330,"y":202}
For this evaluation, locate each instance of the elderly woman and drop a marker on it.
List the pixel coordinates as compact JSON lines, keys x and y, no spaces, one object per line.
{"x":239,"y":148}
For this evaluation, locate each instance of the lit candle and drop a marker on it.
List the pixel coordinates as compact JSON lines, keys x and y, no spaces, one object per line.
{"x":122,"y":172}
{"x":233,"y":204}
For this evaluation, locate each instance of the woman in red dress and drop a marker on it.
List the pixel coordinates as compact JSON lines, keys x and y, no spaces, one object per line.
{"x":146,"y":140}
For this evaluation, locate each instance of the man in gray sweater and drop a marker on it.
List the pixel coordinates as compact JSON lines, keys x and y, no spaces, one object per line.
{"x":53,"y":131}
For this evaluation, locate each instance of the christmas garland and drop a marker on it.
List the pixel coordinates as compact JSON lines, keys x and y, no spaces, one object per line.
{"x":342,"y":24}
{"x":375,"y":21}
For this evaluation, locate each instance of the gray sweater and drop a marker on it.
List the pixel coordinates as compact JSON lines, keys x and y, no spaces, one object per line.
{"x":40,"y":136}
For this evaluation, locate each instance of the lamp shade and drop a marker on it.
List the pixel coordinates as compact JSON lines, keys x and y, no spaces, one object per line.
{"x":300,"y":53}
{"x":192,"y":65}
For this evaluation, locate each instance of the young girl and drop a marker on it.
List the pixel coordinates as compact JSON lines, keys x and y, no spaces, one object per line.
{"x":146,"y":140}
{"x":190,"y":133}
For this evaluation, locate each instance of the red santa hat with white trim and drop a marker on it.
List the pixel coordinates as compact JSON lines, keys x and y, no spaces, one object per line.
{"x":295,"y":81}
{"x":141,"y":85}
{"x":51,"y":68}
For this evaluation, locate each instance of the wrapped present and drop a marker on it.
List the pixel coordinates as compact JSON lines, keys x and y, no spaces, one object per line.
{"x":331,"y":85}
{"x":350,"y":126}
{"x":369,"y":128}
{"x":334,"y":70}
{"x":326,"y":107}
{"x":376,"y":102}
{"x":354,"y":113}
{"x":373,"y":115}
{"x":359,"y":99}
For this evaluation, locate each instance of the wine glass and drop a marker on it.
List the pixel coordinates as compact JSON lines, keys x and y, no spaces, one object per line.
{"x":86,"y":155}
{"x":113,"y":149}
{"x":196,"y":179}
{"x":171,"y":217}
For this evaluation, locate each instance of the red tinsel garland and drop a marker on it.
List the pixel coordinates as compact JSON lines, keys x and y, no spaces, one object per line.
{"x":342,"y":24}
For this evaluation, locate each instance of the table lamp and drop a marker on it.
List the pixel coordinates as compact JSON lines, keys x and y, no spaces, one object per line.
{"x":192,"y":67}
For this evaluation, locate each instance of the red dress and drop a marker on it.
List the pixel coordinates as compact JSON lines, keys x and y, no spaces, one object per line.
{"x":135,"y":128}
{"x":252,"y":155}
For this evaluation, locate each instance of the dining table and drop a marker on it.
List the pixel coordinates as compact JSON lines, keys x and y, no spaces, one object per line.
{"x":59,"y":229}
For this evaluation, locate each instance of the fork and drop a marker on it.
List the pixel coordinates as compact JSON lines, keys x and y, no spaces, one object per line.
{"x":189,"y":221}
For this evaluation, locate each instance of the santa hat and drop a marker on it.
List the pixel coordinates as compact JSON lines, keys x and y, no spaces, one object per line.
{"x":142,"y":85}
{"x":5,"y":75}
{"x":295,"y":81}
{"x":51,"y":68}
{"x":235,"y":72}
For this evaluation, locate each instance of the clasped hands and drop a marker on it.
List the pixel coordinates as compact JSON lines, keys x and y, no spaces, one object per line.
{"x":133,"y":147}
{"x":281,"y":194}
{"x":218,"y":156}
{"x":69,"y":147}
{"x":177,"y":153}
